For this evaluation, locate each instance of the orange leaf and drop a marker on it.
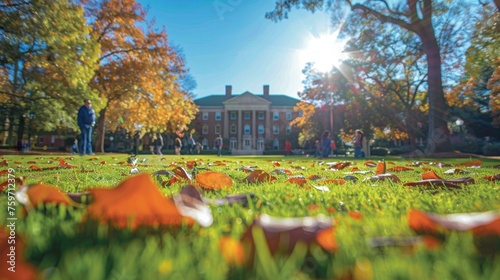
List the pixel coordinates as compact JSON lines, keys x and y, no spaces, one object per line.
{"x":340,"y":165}
{"x":471,"y":163}
{"x":259,"y":176}
{"x":276,"y":164}
{"x":298,"y":181}
{"x":232,"y":251}
{"x":214,"y":180}
{"x":399,"y":168}
{"x":495,"y":177}
{"x":102,"y":162}
{"x":420,"y":223}
{"x":134,"y":202}
{"x":181,"y":172}
{"x":3,"y":172}
{"x":34,"y":167}
{"x":314,"y":177}
{"x":381,"y":168}
{"x":18,"y":182}
{"x":4,"y":163}
{"x":370,"y":163}
{"x":326,"y":239}
{"x":42,"y":193}
{"x":31,"y":162}
{"x":335,"y":181}
{"x":355,"y":215}
{"x":430,"y":175}
{"x":312,"y":207}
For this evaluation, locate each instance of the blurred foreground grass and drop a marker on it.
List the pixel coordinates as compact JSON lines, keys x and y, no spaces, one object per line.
{"x":60,"y":246}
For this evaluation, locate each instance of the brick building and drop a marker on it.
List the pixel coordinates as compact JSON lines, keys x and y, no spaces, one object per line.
{"x":249,"y":123}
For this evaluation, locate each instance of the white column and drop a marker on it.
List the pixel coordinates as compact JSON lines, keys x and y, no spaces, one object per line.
{"x":254,"y":130}
{"x":239,"y":130}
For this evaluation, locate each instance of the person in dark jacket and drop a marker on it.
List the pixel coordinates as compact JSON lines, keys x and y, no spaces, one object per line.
{"x":325,"y":144}
{"x":86,"y":121}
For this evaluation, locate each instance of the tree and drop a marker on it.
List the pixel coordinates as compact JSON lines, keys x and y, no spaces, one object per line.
{"x":139,"y":74}
{"x":414,"y":16}
{"x":475,"y":98}
{"x":46,"y":61}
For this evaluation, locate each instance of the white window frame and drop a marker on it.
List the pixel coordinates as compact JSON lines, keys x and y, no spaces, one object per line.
{"x":288,"y":129}
{"x":217,"y":129}
{"x":260,"y":115}
{"x":260,"y":129}
{"x":276,"y":116}
{"x":205,"y":116}
{"x":289,"y":116}
{"x":260,"y":143}
{"x":218,"y":116}
{"x":276,"y":129}
{"x":233,"y":116}
{"x":246,"y":128}
{"x":276,"y":144}
{"x":246,"y":116}
{"x":232,"y":129}
{"x":205,"y":129}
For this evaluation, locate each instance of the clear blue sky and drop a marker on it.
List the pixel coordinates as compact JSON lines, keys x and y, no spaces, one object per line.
{"x":229,"y":42}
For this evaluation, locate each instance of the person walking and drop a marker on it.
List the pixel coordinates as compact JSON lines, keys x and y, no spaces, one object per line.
{"x":86,"y":120}
{"x":325,"y":144}
{"x":191,"y":144}
{"x":333,"y":147}
{"x":136,"y":142}
{"x":177,"y":145}
{"x":159,"y":143}
{"x":288,"y":148}
{"x":218,"y":145}
{"x":358,"y":143}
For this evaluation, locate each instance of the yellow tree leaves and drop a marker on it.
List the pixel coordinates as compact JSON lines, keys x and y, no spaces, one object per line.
{"x":139,"y":74}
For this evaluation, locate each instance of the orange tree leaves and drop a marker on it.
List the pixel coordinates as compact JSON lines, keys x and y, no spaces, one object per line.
{"x":214,"y":180}
{"x":134,"y":202}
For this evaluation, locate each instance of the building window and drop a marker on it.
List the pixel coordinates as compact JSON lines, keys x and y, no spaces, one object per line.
{"x":288,"y":129}
{"x":232,"y":115}
{"x":276,"y":116}
{"x":204,"y":143}
{"x":217,"y":129}
{"x":205,"y":116}
{"x":288,"y":116}
{"x":276,"y":144}
{"x":246,"y":143}
{"x":301,"y":113}
{"x":218,"y":117}
{"x":260,"y":143}
{"x":260,"y":129}
{"x":205,"y":129}
{"x":246,"y":115}
{"x":232,"y":143}
{"x":276,"y":129}
{"x":232,"y":129}
{"x":246,"y":129}
{"x":261,"y":115}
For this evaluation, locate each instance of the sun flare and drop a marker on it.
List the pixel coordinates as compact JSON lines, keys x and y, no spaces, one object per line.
{"x":325,"y":51}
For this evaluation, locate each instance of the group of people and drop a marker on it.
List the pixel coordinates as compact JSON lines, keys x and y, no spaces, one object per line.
{"x":86,"y":121}
{"x":326,"y":145}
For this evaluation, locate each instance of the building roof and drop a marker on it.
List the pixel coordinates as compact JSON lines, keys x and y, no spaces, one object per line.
{"x":275,"y":99}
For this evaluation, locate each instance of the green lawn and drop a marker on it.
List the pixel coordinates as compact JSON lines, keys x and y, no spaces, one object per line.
{"x":60,"y":246}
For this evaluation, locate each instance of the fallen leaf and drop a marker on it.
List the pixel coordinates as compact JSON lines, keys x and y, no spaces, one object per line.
{"x":135,"y":202}
{"x":214,"y":180}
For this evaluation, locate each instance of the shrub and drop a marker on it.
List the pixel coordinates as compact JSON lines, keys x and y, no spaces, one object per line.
{"x":400,"y":150}
{"x":379,"y":151}
{"x":491,"y":149}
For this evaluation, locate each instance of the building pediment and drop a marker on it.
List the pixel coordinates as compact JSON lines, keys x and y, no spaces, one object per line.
{"x":248,"y":99}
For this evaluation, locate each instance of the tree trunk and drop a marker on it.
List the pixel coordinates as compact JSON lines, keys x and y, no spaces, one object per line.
{"x":100,"y":131}
{"x":438,"y":136}
{"x":20,"y":132}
